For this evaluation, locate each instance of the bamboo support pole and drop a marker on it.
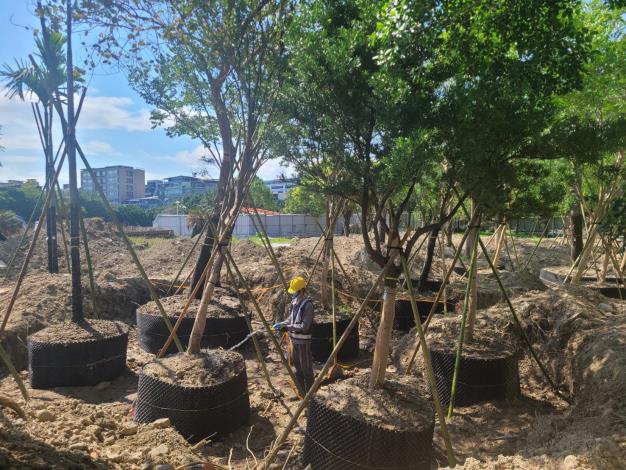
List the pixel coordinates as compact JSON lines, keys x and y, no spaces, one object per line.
{"x":92,"y":284}
{"x":517,"y":261}
{"x":273,"y":452}
{"x":266,"y":325}
{"x":543,"y":234}
{"x":457,"y":254}
{"x":31,"y":219}
{"x":169,"y":289}
{"x":466,"y":304}
{"x":516,"y":319}
{"x":59,"y":200}
{"x":429,"y":371}
{"x":257,"y":346}
{"x":31,"y":249}
{"x":129,"y":246}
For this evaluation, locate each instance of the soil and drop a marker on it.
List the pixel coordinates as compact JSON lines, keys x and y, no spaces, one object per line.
{"x":208,"y":368}
{"x":491,"y":339}
{"x":222,"y":305}
{"x":87,"y":330}
{"x":396,"y":406}
{"x":577,"y":333}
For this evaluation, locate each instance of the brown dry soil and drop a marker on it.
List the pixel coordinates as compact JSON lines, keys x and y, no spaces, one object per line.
{"x":579,"y":334}
{"x":224,"y":305}
{"x":201,"y":370}
{"x":396,"y":406}
{"x":70,"y":332}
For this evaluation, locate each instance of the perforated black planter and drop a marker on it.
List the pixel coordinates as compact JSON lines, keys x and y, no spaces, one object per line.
{"x":195,"y":412}
{"x":404,"y":319}
{"x":322,"y":341}
{"x":338,"y":441}
{"x":479,"y":379}
{"x":613,"y":292}
{"x":218,"y":332}
{"x":60,"y":363}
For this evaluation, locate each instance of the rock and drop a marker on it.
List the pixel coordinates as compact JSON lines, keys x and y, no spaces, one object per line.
{"x":570,"y":463}
{"x":45,"y":416}
{"x":158,"y":452}
{"x":134,"y":457}
{"x":605,"y":308}
{"x":165,"y":466}
{"x":160,"y":423}
{"x":78,"y":446}
{"x":129,"y":430}
{"x":108,"y":440}
{"x":102,"y":385}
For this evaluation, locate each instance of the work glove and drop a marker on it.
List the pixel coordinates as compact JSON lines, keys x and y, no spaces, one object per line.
{"x":279,"y":326}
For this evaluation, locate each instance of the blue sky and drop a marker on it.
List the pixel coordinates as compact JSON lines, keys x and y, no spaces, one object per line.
{"x":114,"y":127}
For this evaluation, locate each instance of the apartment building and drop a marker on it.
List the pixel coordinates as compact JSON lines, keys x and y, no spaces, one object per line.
{"x":280,"y":187}
{"x":120,"y":183}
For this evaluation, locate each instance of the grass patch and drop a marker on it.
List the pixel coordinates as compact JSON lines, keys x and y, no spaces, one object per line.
{"x":256,"y":239}
{"x":147,"y":242}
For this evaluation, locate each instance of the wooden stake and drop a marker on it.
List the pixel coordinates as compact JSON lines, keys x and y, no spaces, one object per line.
{"x":429,"y":370}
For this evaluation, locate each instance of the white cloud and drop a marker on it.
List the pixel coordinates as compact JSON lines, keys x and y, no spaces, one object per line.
{"x":98,"y":147}
{"x":274,"y":168}
{"x":112,"y":112}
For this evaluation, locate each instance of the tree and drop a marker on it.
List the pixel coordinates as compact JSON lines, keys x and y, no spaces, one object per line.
{"x":423,"y":90}
{"x":214,"y":69}
{"x":44,"y":78}
{"x":9,"y":223}
{"x":129,"y":214}
{"x":21,"y":200}
{"x":261,"y":196}
{"x":299,"y":200}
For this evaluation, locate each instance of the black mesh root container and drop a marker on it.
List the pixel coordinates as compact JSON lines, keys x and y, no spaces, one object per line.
{"x":404,"y":319}
{"x":479,"y":379}
{"x":338,"y":441}
{"x":322,"y":339}
{"x":58,"y":360}
{"x":195,"y":412}
{"x":218,"y":332}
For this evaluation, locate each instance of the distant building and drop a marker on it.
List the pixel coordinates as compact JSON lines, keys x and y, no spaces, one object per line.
{"x":19,"y":183}
{"x":119,"y":183}
{"x":177,"y":187}
{"x":145,"y":202}
{"x":280,"y":187}
{"x":153,"y":187}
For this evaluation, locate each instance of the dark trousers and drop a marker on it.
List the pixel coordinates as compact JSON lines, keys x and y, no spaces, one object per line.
{"x":302,"y":360}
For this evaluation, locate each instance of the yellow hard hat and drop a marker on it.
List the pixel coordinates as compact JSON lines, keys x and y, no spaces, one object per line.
{"x":296,"y":284}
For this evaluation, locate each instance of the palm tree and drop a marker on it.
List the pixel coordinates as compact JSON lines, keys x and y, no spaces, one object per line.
{"x":43,"y":77}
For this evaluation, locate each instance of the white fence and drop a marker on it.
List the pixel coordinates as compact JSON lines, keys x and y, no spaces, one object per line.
{"x":283,"y":225}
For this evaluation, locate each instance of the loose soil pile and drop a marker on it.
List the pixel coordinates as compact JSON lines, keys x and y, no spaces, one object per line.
{"x":71,"y":332}
{"x":396,"y":406}
{"x":222,"y":305}
{"x":200,"y":370}
{"x":492,"y":339}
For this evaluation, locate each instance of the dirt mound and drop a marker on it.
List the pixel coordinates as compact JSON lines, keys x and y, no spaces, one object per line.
{"x":201,"y":370}
{"x":223,"y":305}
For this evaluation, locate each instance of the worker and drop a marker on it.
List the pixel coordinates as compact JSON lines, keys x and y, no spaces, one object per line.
{"x":298,"y":326}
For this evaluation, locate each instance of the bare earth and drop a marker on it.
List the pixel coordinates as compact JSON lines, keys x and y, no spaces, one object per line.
{"x":579,"y":334}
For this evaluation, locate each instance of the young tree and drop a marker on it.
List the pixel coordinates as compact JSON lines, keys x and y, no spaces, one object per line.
{"x":300,"y":200}
{"x":213,"y":71}
{"x":261,"y":196}
{"x":44,"y":79}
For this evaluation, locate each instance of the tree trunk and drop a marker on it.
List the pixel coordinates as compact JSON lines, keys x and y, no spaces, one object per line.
{"x":430,"y":253}
{"x":326,"y":255}
{"x":473,"y":297}
{"x":605,"y":263}
{"x":205,"y":251}
{"x":347,"y":217}
{"x":383,"y":335}
{"x":51,"y":216}
{"x":576,"y":226}
{"x":70,"y":143}
{"x":469,"y":243}
{"x":195,"y":340}
{"x":499,"y":243}
{"x":449,"y":230}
